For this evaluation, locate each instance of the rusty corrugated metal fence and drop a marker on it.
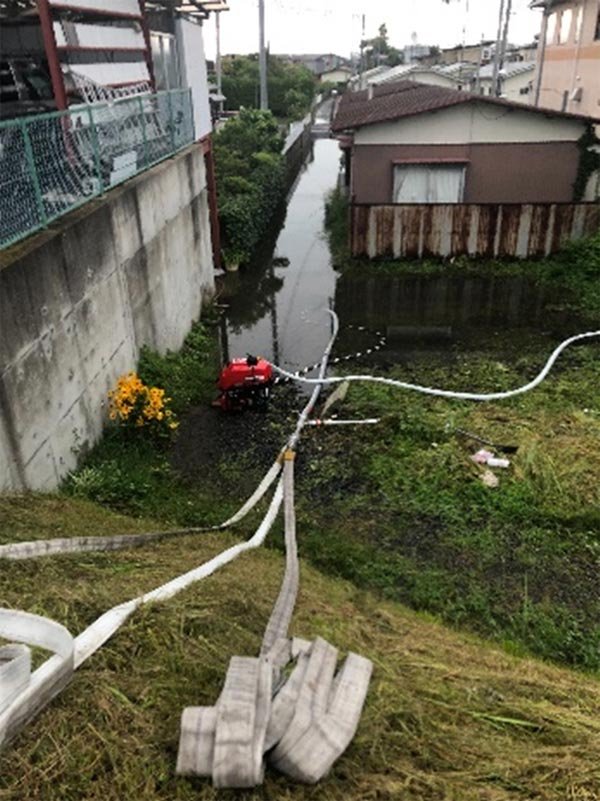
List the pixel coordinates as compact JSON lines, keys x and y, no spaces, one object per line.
{"x":485,"y":230}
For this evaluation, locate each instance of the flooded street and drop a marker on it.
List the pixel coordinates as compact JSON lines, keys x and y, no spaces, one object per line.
{"x":278,"y":311}
{"x":276,"y":306}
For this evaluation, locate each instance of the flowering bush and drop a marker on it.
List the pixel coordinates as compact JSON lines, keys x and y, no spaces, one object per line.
{"x":133,"y":404}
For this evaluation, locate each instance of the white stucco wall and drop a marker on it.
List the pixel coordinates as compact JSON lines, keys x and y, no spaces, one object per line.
{"x":511,"y":87}
{"x":335,"y":76}
{"x":192,"y":63}
{"x":472,"y":123}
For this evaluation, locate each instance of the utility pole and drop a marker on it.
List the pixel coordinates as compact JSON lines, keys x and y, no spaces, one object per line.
{"x":496,"y":70}
{"x":361,"y":68}
{"x":218,"y":60}
{"x":479,"y":66}
{"x":504,"y":38}
{"x":262,"y":57}
{"x":541,"y":57}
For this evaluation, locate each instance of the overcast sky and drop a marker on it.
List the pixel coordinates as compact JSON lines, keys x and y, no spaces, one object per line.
{"x":325,"y":26}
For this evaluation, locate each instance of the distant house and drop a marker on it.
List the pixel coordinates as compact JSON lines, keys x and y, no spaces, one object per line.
{"x":415,"y":52}
{"x":409,"y":143}
{"x":362,"y":79}
{"x":339,"y":75}
{"x":568,"y":62}
{"x":317,"y":63}
{"x":516,"y":81}
{"x":434,"y":76}
{"x":483,"y":51}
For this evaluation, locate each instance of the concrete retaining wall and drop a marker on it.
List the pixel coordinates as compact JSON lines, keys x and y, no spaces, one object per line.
{"x":296,"y":150}
{"x":79,"y":300}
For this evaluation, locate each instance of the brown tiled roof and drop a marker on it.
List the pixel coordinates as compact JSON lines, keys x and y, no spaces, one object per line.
{"x":393,"y":101}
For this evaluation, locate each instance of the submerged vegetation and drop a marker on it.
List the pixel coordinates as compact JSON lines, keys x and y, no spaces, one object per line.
{"x":400,"y":508}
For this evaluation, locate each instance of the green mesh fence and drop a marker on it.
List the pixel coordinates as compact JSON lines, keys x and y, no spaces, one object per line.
{"x":52,"y":163}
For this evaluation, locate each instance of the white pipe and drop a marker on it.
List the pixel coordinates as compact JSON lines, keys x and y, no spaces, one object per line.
{"x":369,"y":421}
{"x":37,"y":690}
{"x":447,"y":393}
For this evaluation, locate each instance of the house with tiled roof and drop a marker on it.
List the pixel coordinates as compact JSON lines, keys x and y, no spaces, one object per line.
{"x":423,"y":145}
{"x":410,"y":142}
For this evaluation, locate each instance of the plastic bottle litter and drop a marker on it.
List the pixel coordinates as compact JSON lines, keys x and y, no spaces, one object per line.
{"x":495,"y":462}
{"x":482,"y":456}
{"x":487,"y":457}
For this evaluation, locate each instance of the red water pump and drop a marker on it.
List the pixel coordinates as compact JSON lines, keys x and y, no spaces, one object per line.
{"x":245,"y":384}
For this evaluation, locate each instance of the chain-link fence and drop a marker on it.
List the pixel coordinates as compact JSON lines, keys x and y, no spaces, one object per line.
{"x":52,"y":163}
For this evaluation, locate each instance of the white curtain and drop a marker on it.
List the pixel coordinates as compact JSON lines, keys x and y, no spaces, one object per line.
{"x":428,"y":183}
{"x":411,"y":184}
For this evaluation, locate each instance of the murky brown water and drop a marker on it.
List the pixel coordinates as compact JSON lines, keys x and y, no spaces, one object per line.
{"x":279,"y":311}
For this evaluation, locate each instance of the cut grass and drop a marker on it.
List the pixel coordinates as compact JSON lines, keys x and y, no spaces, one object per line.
{"x":447,"y":716}
{"x":400,"y":508}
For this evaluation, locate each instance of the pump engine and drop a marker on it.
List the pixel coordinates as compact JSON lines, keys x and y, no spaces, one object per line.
{"x":245,"y":384}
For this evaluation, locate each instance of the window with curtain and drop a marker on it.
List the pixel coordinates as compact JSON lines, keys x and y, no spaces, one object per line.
{"x":429,"y":183}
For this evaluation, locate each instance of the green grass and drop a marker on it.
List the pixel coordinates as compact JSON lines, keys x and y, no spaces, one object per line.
{"x":390,"y":515}
{"x":447,"y":716}
{"x":400,"y":508}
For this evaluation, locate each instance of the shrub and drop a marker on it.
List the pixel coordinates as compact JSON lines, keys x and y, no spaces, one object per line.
{"x":107,"y":482}
{"x":250,"y":179}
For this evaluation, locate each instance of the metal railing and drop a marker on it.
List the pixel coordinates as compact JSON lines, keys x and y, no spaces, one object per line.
{"x":53,"y":163}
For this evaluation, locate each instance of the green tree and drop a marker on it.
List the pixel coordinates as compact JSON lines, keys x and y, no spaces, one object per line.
{"x":378,"y":50}
{"x":250,"y":180}
{"x":291,"y":87}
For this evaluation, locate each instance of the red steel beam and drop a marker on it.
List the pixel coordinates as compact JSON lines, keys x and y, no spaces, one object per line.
{"x":56,"y":75}
{"x":101,"y":12}
{"x":97,"y":49}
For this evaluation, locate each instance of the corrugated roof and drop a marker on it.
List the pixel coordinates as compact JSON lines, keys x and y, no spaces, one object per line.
{"x":508,"y":70}
{"x":394,"y":101}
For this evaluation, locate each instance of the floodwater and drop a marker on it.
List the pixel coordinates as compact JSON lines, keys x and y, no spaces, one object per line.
{"x":280,"y":311}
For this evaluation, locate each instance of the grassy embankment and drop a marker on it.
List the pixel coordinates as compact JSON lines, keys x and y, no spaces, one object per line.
{"x":448,"y":717}
{"x":398,"y":510}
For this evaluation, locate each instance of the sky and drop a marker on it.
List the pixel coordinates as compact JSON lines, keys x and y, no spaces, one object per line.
{"x":326,"y":26}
